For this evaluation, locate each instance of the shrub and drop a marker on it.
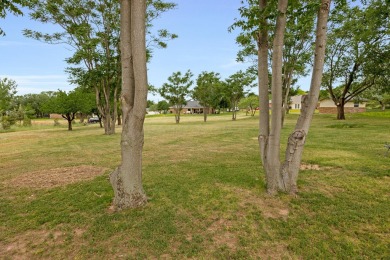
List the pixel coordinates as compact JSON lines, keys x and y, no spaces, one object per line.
{"x":57,"y":122}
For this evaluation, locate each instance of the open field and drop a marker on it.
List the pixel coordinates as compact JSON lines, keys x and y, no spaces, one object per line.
{"x":206,"y":193}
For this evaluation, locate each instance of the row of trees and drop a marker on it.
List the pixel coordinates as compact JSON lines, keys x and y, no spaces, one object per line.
{"x":210,"y":90}
{"x":23,"y":108}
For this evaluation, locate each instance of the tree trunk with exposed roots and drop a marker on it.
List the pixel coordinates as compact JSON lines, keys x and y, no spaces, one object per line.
{"x":126,"y":180}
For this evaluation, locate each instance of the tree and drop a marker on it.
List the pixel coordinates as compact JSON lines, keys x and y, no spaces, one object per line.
{"x":176,"y":91}
{"x":234,"y":88}
{"x":358,"y":52}
{"x":250,"y":103}
{"x":126,"y":180}
{"x":207,"y":91}
{"x":298,"y":38}
{"x":68,"y":104}
{"x":7,"y":93}
{"x":283,"y":176}
{"x":162,"y":106}
{"x":91,"y":27}
{"x":35,"y":101}
{"x":380,"y":92}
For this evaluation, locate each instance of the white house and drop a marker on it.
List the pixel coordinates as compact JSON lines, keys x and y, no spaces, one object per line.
{"x":327,"y":106}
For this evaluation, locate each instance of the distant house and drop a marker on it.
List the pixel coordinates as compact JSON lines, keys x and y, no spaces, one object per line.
{"x":327,"y":106}
{"x":192,"y":107}
{"x":296,"y":102}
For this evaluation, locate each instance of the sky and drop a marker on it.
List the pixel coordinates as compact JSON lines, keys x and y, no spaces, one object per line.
{"x":204,"y":44}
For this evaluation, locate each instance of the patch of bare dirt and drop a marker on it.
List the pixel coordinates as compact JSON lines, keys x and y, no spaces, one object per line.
{"x":314,"y":167}
{"x":51,"y":178}
{"x":37,"y":243}
{"x":222,"y":236}
{"x":275,"y":251}
{"x":270,"y":207}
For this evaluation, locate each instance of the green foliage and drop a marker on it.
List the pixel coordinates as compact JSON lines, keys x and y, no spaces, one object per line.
{"x":235,"y":86}
{"x":358,"y":53}
{"x":6,"y":122}
{"x":12,"y":7}
{"x":162,"y":106}
{"x":7,"y":93}
{"x":178,"y":89}
{"x":68,"y":104}
{"x":250,"y":103}
{"x":298,"y":37}
{"x":208,"y":90}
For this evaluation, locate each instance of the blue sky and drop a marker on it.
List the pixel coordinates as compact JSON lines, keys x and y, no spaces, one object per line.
{"x":204,"y":44}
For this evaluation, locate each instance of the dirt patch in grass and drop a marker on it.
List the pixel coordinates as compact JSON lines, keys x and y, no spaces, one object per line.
{"x":222,"y":235}
{"x":51,"y":178}
{"x":270,"y":207}
{"x":314,"y":167}
{"x":35,"y":244}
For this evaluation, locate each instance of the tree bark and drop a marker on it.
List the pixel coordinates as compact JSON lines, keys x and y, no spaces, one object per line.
{"x":273,"y":151}
{"x":263,"y":81}
{"x":283,"y":177}
{"x":340,"y":111}
{"x":205,"y":112}
{"x":126,"y":180}
{"x":296,"y":140}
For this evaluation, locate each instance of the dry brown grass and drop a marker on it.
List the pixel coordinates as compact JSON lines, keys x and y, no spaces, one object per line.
{"x":46,"y":179}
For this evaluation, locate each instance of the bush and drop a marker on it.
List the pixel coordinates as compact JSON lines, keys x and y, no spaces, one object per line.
{"x":5,"y":123}
{"x":57,"y":122}
{"x":26,"y":121}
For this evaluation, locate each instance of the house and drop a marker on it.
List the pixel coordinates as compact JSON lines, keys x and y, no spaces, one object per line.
{"x":327,"y":106}
{"x":296,"y":102}
{"x":192,"y":107}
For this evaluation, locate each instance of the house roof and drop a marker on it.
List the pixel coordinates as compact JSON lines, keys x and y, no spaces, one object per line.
{"x":193,"y":104}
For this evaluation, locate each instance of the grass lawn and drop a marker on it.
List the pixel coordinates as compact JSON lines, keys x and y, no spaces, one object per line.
{"x":206,"y":193}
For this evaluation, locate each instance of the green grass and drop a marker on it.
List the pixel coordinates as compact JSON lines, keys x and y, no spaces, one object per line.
{"x":206,"y":193}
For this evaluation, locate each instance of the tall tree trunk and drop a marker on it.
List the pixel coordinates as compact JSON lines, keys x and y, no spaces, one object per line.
{"x":273,"y":151}
{"x":126,"y":180}
{"x":296,"y":140}
{"x":284,"y":177}
{"x":262,"y":43}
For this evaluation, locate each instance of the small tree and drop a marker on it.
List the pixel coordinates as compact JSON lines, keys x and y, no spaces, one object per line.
{"x":177,"y":90}
{"x":250,"y":103}
{"x":207,"y":91}
{"x":162,"y":106}
{"x":234,"y":88}
{"x":7,"y":93}
{"x":68,"y":104}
